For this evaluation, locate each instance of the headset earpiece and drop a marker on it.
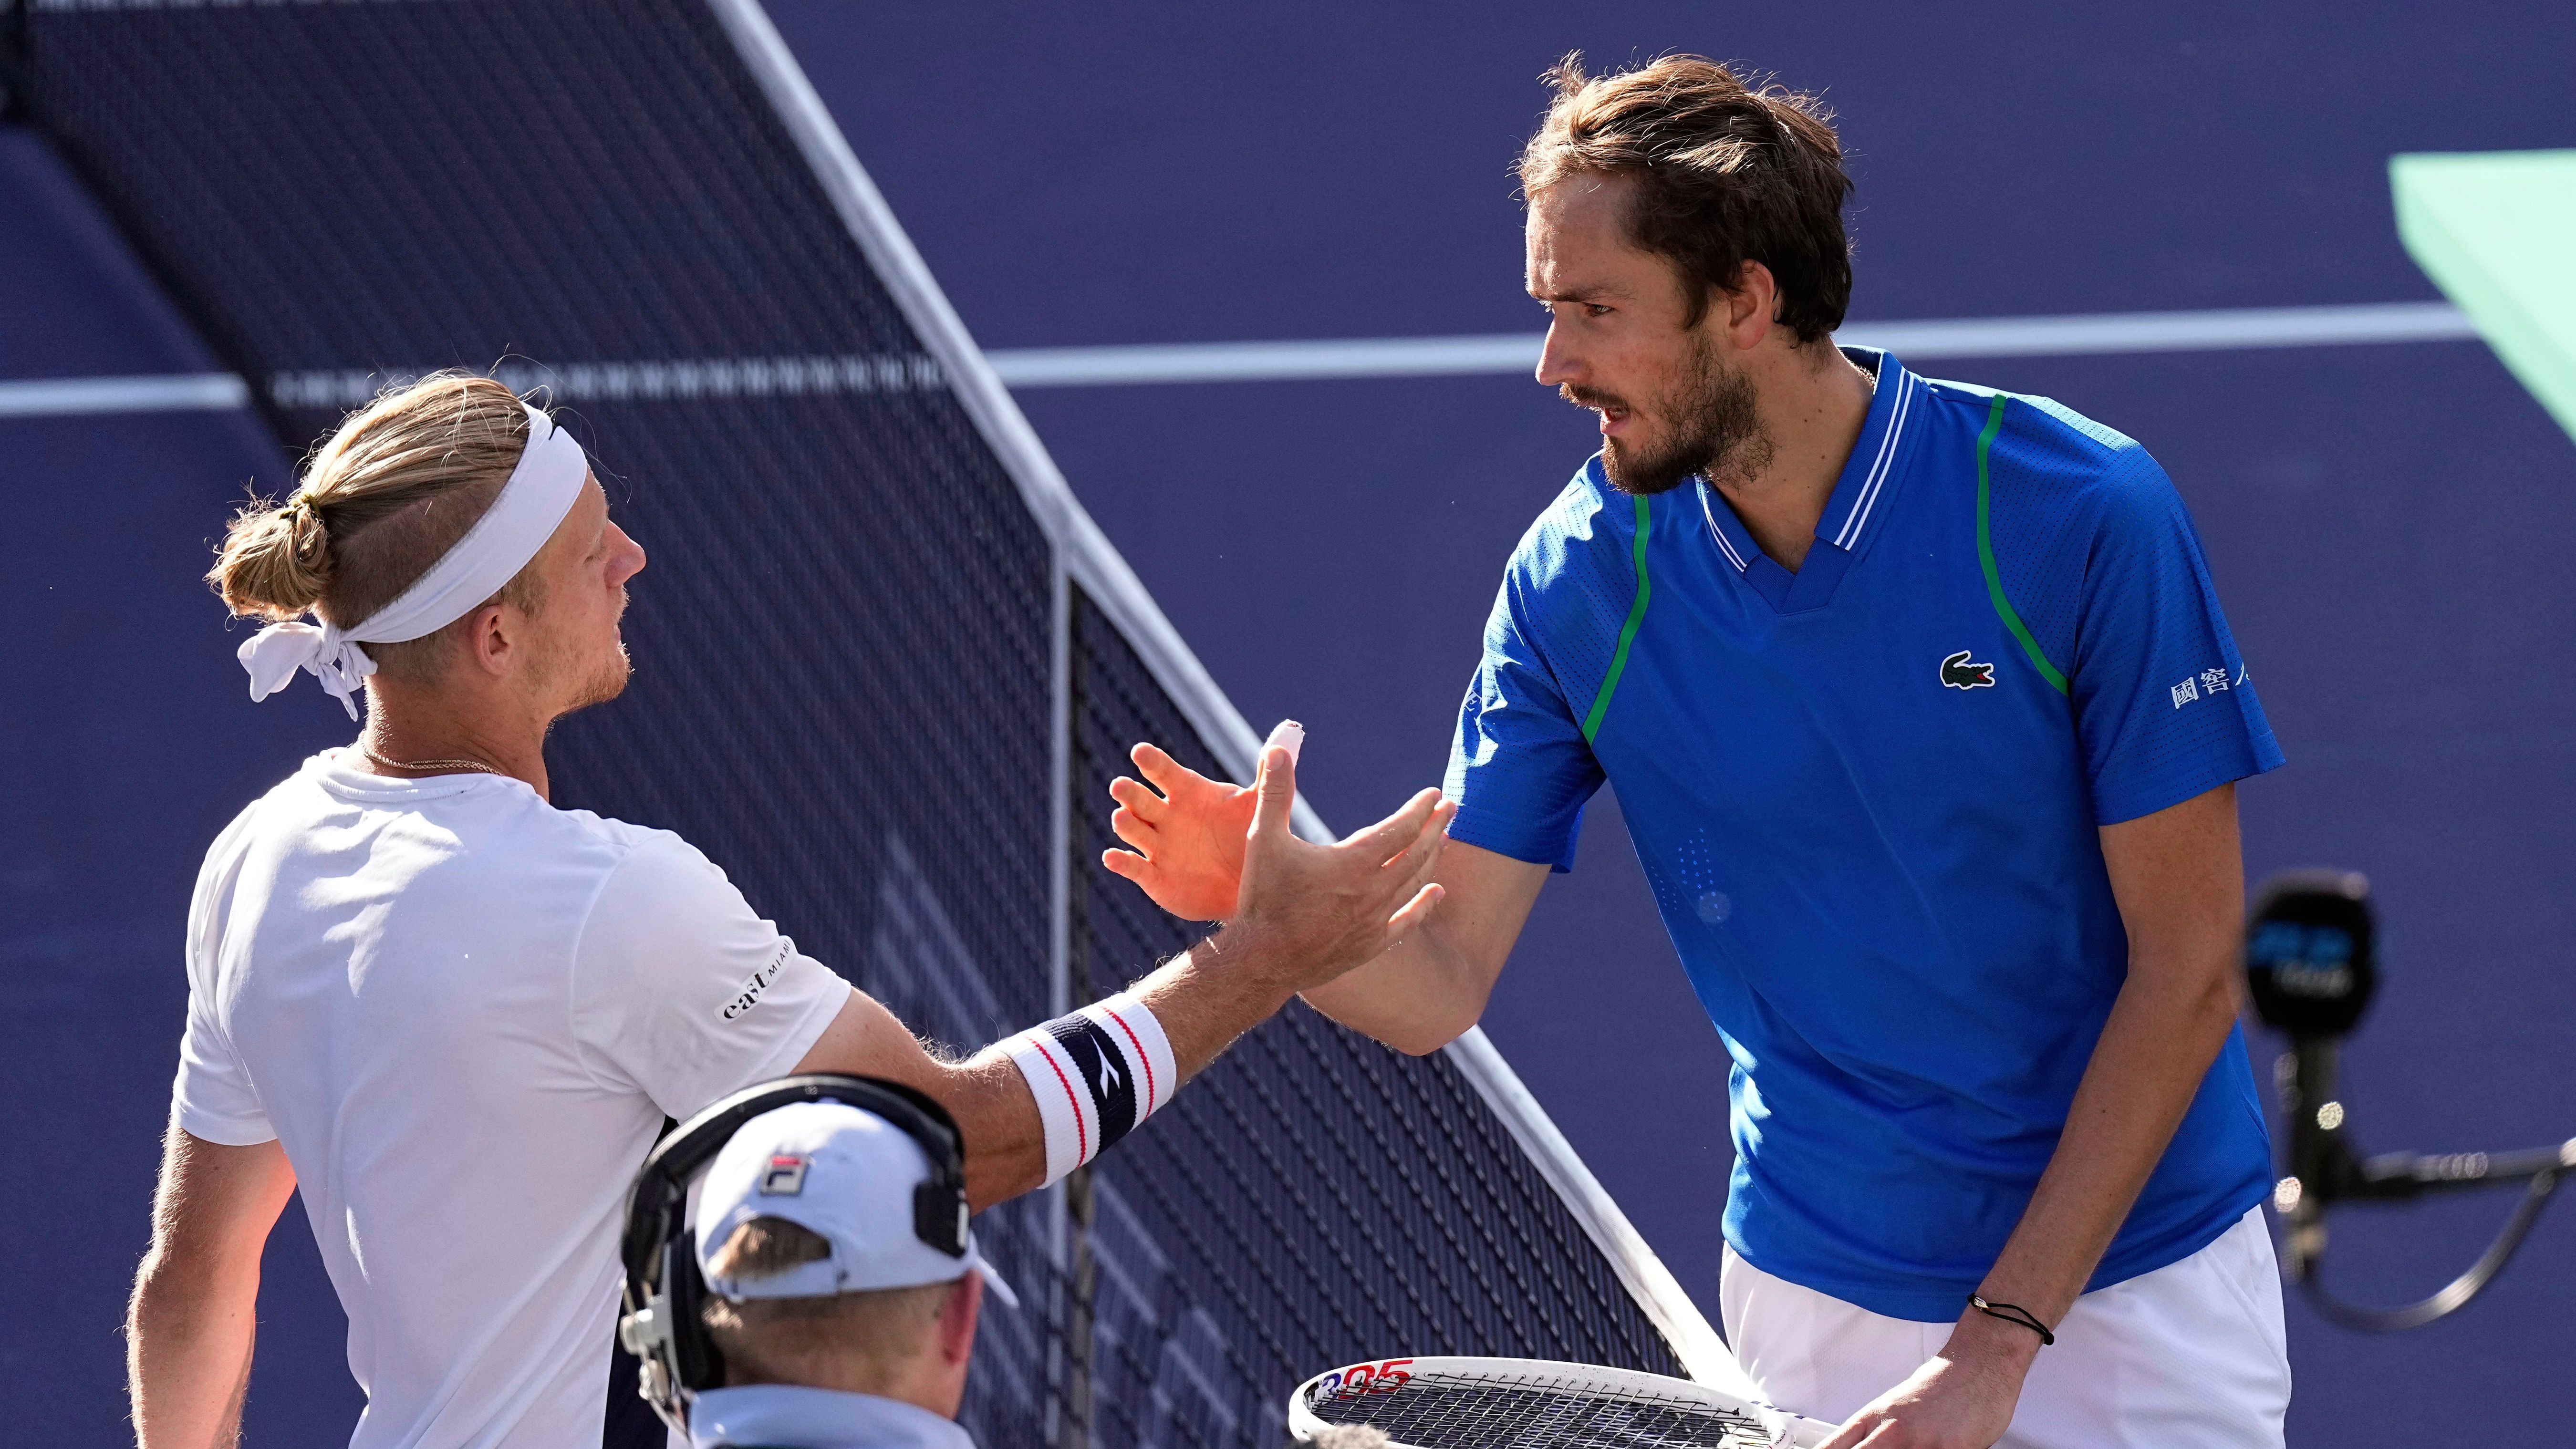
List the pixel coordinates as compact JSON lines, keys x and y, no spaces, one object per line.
{"x":939,"y":1216}
{"x":696,"y":1363}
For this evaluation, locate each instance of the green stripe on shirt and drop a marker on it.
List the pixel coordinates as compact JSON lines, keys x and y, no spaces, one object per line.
{"x":1637,"y":616}
{"x":1985,"y":557}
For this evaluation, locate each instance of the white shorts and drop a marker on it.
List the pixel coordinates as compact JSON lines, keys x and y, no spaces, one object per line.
{"x":2190,"y":1356}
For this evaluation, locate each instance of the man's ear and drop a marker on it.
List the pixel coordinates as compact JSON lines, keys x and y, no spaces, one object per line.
{"x":957,"y":1318}
{"x":1747,"y":311}
{"x":489,"y":642}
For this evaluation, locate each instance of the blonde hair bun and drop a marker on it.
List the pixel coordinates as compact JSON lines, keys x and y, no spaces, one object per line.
{"x":275,"y":563}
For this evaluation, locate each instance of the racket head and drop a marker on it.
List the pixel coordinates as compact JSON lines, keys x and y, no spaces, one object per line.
{"x":1473,"y":1403}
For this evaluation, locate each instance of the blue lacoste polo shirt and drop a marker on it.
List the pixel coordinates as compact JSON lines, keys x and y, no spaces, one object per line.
{"x":1867,"y":796}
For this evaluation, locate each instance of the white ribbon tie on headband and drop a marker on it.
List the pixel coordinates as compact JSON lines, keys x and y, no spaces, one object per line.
{"x":541,"y":490}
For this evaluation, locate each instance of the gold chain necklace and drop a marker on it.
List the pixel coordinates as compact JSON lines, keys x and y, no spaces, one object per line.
{"x":428,"y":765}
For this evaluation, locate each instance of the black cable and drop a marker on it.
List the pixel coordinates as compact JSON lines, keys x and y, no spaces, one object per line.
{"x":2311,"y":968}
{"x":2454,"y":1295}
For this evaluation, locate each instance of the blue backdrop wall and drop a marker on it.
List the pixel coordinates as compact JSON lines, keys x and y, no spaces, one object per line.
{"x":2386,"y":523}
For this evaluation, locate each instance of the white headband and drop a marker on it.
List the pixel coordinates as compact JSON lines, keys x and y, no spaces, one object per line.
{"x":532,"y":505}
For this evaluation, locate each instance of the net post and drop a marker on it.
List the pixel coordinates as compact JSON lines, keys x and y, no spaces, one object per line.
{"x":1076,"y":1203}
{"x":1060,"y":809}
{"x":1068,"y":1351}
{"x":1080,"y":1374}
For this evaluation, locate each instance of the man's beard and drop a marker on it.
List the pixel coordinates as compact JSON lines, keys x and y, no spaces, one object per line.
{"x":599,"y":676}
{"x":607,"y":680}
{"x":1712,"y":422}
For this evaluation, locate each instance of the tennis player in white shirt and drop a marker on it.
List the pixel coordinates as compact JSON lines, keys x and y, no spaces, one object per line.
{"x":455,"y":1016}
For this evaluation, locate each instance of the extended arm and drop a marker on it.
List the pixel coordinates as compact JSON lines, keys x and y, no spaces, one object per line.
{"x":1433,"y":985}
{"x":2179,"y":879}
{"x":188,"y":1331}
{"x":1307,"y":914}
{"x":1187,"y":832}
{"x":1007,"y":1150}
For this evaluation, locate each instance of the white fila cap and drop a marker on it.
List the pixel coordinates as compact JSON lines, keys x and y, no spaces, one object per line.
{"x":846,"y":1176}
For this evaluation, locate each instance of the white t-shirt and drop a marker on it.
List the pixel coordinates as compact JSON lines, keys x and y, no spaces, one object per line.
{"x":465,"y":1013}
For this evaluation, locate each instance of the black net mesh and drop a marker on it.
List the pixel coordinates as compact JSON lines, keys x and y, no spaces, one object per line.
{"x":843,"y":689}
{"x":1313,"y":1197}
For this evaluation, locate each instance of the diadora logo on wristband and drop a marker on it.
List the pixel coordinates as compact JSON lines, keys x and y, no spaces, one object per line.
{"x":1960,"y":672}
{"x":1101,"y":1061}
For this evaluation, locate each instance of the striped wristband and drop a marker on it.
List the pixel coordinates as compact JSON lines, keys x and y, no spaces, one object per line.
{"x":1096,"y":1075}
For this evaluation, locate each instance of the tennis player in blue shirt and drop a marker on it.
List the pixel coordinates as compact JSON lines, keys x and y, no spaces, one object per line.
{"x":1926,"y":724}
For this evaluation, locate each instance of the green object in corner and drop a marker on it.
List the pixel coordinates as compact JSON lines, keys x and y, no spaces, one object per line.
{"x":2496,"y":231}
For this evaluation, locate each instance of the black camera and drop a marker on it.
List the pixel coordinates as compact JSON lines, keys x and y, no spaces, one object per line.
{"x":2311,"y":967}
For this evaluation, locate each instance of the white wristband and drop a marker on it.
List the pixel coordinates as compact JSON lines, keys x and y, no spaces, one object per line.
{"x":1096,"y":1075}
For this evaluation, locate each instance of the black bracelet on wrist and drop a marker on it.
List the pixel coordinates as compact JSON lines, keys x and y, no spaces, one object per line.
{"x":2014,"y":1313}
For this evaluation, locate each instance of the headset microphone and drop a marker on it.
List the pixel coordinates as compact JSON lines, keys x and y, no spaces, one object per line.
{"x":2311,"y":966}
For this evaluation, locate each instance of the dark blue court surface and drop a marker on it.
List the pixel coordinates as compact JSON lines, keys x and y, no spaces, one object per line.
{"x":2388,"y":526}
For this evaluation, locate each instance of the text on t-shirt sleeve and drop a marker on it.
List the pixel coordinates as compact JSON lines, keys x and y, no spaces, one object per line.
{"x":2164,"y":706}
{"x":682,"y":991}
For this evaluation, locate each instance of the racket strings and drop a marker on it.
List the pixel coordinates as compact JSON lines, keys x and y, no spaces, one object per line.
{"x":1434,"y":1411}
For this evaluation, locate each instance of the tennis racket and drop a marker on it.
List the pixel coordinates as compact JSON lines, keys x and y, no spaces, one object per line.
{"x":1524,"y":1403}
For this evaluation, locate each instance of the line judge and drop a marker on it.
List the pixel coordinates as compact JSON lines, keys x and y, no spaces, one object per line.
{"x":455,"y":1016}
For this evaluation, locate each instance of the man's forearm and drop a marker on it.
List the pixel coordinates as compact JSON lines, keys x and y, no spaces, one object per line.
{"x":1416,"y":998}
{"x":189,"y":1327}
{"x":2163,"y":1032}
{"x":188,"y":1352}
{"x":1304,"y":914}
{"x":1202,"y":1000}
{"x":1210,"y":995}
{"x":2178,"y":876}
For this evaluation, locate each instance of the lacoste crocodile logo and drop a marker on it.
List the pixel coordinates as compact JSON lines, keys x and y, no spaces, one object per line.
{"x":1957,"y":672}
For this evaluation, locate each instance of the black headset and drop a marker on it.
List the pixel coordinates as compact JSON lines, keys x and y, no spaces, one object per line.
{"x":665,"y":1293}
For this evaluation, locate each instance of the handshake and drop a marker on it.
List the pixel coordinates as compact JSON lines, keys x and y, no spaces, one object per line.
{"x":1303,"y":913}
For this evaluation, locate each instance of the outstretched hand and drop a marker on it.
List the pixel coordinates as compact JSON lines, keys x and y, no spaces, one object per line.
{"x":1309,"y":912}
{"x":1188,"y":835}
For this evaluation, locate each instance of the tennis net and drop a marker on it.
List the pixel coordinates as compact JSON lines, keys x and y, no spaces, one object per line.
{"x":885,"y":666}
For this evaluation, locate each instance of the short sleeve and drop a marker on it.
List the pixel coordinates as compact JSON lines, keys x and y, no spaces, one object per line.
{"x":2165,"y":707}
{"x":1520,"y":768}
{"x":213,"y":1099}
{"x":682,"y":991}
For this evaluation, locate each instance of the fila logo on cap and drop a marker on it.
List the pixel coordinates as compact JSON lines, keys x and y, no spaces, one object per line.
{"x":1958,"y":672}
{"x":785,"y":1176}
